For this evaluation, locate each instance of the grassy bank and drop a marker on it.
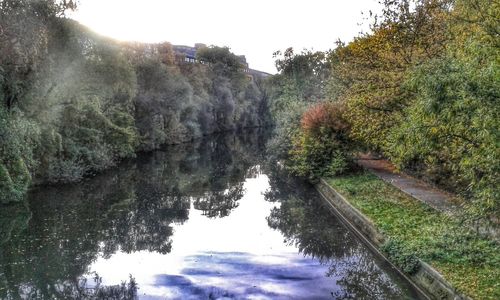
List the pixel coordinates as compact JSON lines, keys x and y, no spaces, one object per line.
{"x":469,"y":262}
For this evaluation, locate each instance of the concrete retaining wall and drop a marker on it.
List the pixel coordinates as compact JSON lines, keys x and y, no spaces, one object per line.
{"x":427,"y":279}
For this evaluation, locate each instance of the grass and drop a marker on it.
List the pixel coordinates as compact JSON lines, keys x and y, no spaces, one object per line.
{"x":469,"y":262}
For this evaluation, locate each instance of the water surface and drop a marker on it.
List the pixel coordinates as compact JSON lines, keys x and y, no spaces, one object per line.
{"x":208,"y":220}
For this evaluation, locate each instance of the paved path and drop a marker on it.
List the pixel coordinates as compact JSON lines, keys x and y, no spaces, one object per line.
{"x":416,"y":188}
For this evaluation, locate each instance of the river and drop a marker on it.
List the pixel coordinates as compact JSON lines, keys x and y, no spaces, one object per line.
{"x":212,"y":219}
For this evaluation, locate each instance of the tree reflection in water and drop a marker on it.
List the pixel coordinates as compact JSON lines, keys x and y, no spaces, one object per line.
{"x":48,"y":243}
{"x":308,"y":224}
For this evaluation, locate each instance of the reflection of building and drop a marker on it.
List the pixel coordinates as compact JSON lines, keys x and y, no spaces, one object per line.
{"x":187,"y":54}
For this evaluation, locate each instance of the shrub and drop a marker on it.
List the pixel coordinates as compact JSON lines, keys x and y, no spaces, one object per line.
{"x":321,"y":146}
{"x":17,"y":138}
{"x":326,"y":115}
{"x":6,"y":185}
{"x":402,"y":257}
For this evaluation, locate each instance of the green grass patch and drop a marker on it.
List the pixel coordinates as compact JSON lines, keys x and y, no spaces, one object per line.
{"x":469,"y":262}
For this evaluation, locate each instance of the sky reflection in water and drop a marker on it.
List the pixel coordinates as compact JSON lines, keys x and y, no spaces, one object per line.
{"x":235,"y":256}
{"x":209,"y":220}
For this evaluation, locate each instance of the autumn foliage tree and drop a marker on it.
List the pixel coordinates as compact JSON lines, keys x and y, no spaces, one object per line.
{"x":449,"y":133}
{"x":322,"y":146}
{"x":421,"y":89}
{"x":372,"y":67}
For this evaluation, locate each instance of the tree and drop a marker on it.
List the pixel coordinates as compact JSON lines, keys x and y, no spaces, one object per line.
{"x":370,"y":69}
{"x":24,"y":26}
{"x":450,"y":132}
{"x":220,"y":59}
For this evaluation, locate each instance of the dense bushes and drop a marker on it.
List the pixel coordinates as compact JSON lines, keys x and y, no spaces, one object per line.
{"x":321,"y":147}
{"x":74,"y":103}
{"x":158,"y":108}
{"x":291,"y":92}
{"x":85,"y":114}
{"x":420,"y":89}
{"x":450,"y":133}
{"x":405,"y":259}
{"x":17,"y":137}
{"x":450,"y":130}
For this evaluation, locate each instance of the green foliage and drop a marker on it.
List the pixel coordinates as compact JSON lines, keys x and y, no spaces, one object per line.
{"x":162,"y":98}
{"x":23,"y":43}
{"x":454,"y":118}
{"x":401,"y":256}
{"x":6,"y":185}
{"x":369,"y":70}
{"x":298,"y":86}
{"x":221,"y":60}
{"x":322,"y":146}
{"x":20,"y":175}
{"x":318,"y":155}
{"x":75,"y":103}
{"x":16,"y":141}
{"x":88,"y":138}
{"x":286,"y":127}
{"x":452,"y":130}
{"x":302,"y":76}
{"x":14,"y":182}
{"x":421,"y":88}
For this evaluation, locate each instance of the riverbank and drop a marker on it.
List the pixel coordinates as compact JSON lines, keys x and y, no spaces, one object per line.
{"x":407,"y":231}
{"x":84,"y":111}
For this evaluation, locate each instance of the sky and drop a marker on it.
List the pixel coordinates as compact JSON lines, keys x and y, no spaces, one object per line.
{"x":254,"y":28}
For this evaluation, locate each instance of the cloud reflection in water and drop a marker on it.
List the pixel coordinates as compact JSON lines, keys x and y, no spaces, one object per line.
{"x":244,"y":276}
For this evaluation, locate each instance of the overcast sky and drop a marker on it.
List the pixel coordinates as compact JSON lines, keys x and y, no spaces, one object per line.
{"x":254,"y":28}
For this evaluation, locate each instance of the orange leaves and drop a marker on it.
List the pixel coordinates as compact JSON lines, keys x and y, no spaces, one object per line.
{"x":326,"y":115}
